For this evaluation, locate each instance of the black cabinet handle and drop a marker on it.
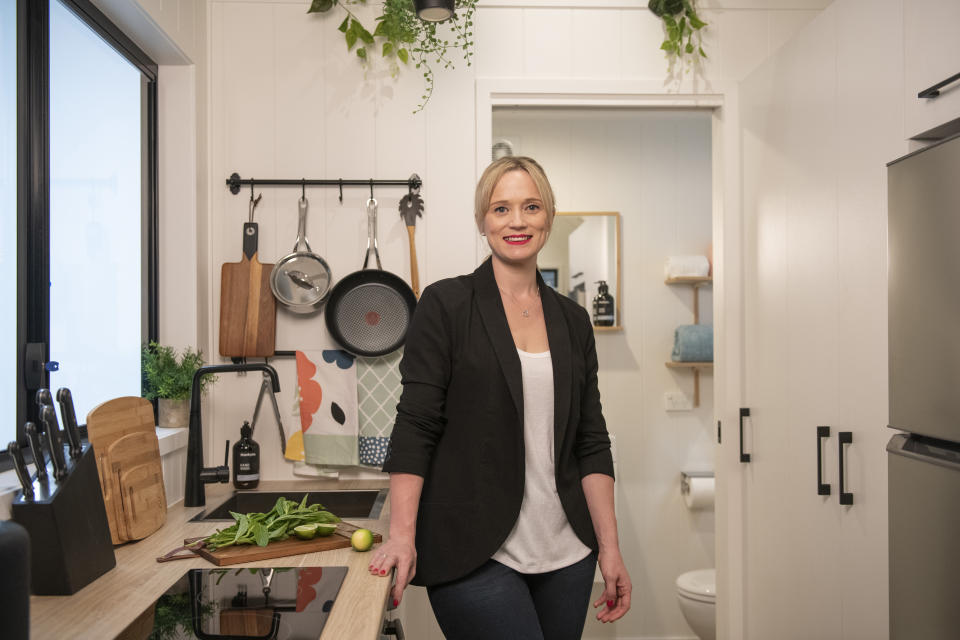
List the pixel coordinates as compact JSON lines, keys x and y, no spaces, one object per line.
{"x":822,"y":489}
{"x":744,"y":412}
{"x":846,"y":437}
{"x":934,"y":91}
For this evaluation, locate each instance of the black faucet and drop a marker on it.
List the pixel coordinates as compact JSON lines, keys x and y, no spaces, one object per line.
{"x":197,"y":474}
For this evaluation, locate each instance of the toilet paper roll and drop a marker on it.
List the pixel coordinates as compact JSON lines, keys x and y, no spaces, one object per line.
{"x":698,"y":493}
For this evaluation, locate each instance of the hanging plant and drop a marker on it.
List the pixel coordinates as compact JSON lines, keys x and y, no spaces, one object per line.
{"x":402,"y":37}
{"x":682,"y":28}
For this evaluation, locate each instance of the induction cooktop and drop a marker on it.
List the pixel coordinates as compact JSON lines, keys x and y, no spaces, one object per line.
{"x":275,"y":603}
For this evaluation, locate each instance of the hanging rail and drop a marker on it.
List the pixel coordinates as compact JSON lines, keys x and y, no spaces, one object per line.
{"x":235,"y":182}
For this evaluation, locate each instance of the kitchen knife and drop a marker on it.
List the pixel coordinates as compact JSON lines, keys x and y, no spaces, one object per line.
{"x":49,"y":417}
{"x":39,"y":461}
{"x":69,"y":415}
{"x":21,"y":467}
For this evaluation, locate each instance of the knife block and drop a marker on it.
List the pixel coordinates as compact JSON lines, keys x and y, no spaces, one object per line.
{"x":69,"y":535}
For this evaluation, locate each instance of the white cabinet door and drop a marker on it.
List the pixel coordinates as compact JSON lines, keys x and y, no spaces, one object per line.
{"x":815,"y":138}
{"x":791,"y":556}
{"x":931,"y":55}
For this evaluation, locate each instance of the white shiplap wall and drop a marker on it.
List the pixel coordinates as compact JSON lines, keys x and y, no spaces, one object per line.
{"x":277,"y":95}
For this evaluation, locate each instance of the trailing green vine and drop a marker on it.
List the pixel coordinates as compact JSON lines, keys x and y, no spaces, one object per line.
{"x":682,"y":27}
{"x":401,"y":37}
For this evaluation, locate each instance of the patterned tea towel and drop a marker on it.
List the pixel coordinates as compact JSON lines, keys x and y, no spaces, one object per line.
{"x":378,"y":392}
{"x":327,"y":381}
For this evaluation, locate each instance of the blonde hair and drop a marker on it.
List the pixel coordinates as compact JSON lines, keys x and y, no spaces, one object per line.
{"x":492,"y":174}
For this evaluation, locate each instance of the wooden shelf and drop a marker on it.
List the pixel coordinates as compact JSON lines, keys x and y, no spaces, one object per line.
{"x":696,"y":366}
{"x":694,"y":282}
{"x":613,"y":328}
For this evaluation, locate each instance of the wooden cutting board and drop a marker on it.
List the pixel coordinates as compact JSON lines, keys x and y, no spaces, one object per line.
{"x":340,"y":539}
{"x":248,"y":310}
{"x":127,"y":452}
{"x":134,"y":462}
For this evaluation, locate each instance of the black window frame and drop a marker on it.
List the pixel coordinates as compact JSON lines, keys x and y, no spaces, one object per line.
{"x":33,"y":191}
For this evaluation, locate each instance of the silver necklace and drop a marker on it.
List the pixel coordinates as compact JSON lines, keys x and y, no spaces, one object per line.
{"x":523,"y":312}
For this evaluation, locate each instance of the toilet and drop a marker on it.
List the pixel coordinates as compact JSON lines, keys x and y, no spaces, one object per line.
{"x":697,"y":594}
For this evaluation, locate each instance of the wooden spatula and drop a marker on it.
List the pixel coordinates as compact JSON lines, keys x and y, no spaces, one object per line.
{"x":411,"y":206}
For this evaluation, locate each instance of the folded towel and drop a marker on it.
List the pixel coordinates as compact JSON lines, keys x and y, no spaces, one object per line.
{"x":679,"y":266}
{"x":693,"y":343}
{"x":328,"y":407}
{"x":378,"y":388}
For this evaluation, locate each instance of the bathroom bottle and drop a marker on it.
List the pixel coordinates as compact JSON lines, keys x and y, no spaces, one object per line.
{"x":246,"y":460}
{"x":603,"y":307}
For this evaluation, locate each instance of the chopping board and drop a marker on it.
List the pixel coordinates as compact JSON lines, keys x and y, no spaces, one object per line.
{"x":340,"y":539}
{"x":127,"y":452}
{"x":248,"y":310}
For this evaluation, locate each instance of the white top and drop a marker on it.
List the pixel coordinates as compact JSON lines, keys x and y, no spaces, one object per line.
{"x":542,"y":539}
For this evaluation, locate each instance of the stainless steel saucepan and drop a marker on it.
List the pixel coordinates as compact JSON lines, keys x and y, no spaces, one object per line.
{"x":301,"y":280}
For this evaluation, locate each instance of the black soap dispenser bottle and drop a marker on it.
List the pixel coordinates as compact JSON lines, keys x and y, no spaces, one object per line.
{"x":604,"y":312}
{"x":246,"y":460}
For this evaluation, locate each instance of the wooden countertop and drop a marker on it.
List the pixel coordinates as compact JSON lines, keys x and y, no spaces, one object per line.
{"x":109,"y":604}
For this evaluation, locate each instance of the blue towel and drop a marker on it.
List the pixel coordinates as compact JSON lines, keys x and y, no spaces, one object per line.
{"x":693,"y":343}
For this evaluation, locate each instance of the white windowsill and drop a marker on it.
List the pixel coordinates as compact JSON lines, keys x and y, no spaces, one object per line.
{"x":171,"y":439}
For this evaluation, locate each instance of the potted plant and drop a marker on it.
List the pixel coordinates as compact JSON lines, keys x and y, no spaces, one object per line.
{"x":401,"y":36}
{"x":168,"y":378}
{"x":682,"y":26}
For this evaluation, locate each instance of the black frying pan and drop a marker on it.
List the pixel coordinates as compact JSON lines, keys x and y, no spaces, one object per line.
{"x":368,"y":312}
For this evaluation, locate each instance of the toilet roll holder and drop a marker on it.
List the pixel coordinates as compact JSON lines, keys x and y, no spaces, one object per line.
{"x":686,"y":476}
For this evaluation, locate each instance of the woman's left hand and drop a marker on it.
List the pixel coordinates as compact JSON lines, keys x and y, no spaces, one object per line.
{"x":617,"y":587}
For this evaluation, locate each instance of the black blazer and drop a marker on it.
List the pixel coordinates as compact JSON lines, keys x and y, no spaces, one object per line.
{"x":460,"y":421}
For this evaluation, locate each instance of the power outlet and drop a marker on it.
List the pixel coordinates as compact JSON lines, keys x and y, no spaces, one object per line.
{"x":677,"y":400}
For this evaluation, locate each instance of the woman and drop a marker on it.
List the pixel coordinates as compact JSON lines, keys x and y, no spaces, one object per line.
{"x":501,"y":477}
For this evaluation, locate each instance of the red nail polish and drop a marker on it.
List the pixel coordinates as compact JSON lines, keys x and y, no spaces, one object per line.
{"x":610,"y":604}
{"x":383,"y":572}
{"x":395,"y":602}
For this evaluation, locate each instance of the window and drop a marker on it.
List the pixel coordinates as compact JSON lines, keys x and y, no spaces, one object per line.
{"x":8,"y":220}
{"x":85,"y":214}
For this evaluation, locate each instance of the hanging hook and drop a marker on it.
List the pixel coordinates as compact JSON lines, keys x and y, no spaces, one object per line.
{"x":253,"y":202}
{"x":303,"y":188}
{"x":341,"y":190}
{"x":371,"y":188}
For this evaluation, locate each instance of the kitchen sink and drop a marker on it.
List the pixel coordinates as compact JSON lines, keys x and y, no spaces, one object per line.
{"x":353,"y":503}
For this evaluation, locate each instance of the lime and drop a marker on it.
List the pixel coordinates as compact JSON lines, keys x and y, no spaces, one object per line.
{"x":325,"y":528}
{"x":362,"y":539}
{"x":306,"y":531}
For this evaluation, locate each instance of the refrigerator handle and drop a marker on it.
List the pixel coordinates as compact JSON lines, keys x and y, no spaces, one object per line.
{"x":846,"y":437}
{"x":822,"y":489}
{"x":744,"y":412}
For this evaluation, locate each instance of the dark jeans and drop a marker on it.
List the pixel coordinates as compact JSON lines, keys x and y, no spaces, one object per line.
{"x":496,"y":602}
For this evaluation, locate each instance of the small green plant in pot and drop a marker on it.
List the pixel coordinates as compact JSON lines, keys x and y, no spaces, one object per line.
{"x":168,"y":377}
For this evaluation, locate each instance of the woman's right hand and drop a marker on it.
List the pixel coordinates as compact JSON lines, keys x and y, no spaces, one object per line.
{"x":396,"y":553}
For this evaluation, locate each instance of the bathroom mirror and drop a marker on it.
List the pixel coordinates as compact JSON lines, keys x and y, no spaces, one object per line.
{"x":583,"y":249}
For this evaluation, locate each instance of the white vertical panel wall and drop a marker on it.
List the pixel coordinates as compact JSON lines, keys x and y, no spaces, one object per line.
{"x":283,"y":98}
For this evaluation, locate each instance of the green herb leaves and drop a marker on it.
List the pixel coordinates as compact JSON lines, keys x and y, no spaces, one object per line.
{"x":262,"y":528}
{"x":167,"y":375}
{"x":681,"y":25}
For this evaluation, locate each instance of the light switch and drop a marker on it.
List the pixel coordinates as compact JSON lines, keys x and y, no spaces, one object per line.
{"x":677,"y":400}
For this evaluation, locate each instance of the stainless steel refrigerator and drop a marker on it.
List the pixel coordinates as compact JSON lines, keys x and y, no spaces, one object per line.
{"x":924,"y":367}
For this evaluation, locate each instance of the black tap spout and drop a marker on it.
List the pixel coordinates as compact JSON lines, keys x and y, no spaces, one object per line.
{"x":197,"y":474}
